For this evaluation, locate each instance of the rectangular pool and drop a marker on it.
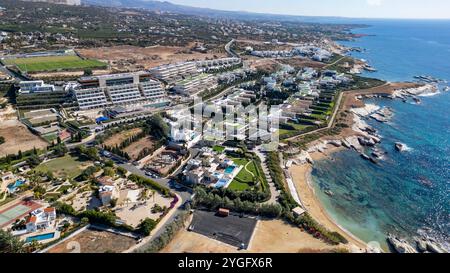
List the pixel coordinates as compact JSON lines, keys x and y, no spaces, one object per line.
{"x":40,"y":237}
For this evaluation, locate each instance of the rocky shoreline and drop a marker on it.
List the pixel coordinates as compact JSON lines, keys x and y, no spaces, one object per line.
{"x":361,"y":137}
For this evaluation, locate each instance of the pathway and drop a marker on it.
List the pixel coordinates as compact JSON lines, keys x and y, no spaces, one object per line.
{"x":274,"y":193}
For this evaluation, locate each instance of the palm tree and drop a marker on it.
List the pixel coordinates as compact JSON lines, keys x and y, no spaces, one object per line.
{"x":153,"y":194}
{"x":144,"y":194}
{"x":10,"y":243}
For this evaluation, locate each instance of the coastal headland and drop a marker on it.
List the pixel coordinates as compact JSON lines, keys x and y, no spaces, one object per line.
{"x":321,"y":148}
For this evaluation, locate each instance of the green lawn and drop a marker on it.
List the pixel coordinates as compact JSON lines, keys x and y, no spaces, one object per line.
{"x":298,"y":127}
{"x":64,"y":167}
{"x":53,"y":63}
{"x":244,"y":178}
{"x":238,"y":186}
{"x":218,"y":149}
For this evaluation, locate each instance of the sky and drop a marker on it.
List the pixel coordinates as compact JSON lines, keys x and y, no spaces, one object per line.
{"x":420,"y":9}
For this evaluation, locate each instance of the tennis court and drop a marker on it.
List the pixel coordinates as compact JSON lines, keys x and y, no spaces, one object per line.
{"x":10,"y":214}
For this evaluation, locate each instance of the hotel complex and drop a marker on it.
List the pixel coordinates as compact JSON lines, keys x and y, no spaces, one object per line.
{"x":118,"y":89}
{"x":28,"y":87}
{"x":173,"y":72}
{"x":196,"y":84}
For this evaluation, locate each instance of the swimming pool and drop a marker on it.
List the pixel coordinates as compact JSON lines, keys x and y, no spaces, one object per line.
{"x":230,"y":169}
{"x":13,"y":187}
{"x":221,"y":183}
{"x":40,"y":237}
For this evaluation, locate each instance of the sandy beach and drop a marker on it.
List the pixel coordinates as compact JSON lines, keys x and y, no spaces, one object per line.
{"x":301,"y":177}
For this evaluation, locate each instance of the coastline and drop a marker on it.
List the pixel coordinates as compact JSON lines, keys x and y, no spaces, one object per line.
{"x":321,"y":149}
{"x":302,"y":179}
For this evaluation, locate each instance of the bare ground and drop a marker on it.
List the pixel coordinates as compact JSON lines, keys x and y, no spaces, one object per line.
{"x":18,"y":138}
{"x":270,"y":236}
{"x":93,"y":241}
{"x":133,"y":58}
{"x":116,"y":139}
{"x":136,"y":147}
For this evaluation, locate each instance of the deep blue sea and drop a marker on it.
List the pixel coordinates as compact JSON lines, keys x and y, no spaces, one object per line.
{"x":409,"y":193}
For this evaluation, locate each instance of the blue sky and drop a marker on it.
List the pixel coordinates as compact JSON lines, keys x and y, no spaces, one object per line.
{"x":347,"y":8}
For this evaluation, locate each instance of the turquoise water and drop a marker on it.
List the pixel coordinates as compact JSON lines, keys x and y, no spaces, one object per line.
{"x":40,"y":237}
{"x":409,"y":192}
{"x":15,"y":185}
{"x":230,"y":169}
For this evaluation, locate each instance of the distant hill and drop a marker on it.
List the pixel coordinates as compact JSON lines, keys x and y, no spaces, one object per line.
{"x":182,"y":9}
{"x":63,"y":2}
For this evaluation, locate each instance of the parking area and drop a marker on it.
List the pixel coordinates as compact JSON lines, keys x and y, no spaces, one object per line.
{"x":233,"y":230}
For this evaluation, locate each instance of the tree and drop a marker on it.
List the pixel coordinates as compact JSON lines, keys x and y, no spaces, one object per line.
{"x":33,"y":161}
{"x":146,"y":226}
{"x":60,"y":150}
{"x":109,"y":163}
{"x":108,"y":171}
{"x":39,"y":192}
{"x":87,"y":72}
{"x":10,"y":243}
{"x":84,"y":221}
{"x":122,"y":171}
{"x":159,"y":126}
{"x":153,"y":195}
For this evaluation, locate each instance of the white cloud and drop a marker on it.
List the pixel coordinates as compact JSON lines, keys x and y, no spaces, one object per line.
{"x":376,"y":3}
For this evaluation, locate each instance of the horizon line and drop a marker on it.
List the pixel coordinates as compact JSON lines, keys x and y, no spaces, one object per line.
{"x":314,"y":16}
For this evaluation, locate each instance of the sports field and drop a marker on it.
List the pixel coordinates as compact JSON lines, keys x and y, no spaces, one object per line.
{"x":53,"y":63}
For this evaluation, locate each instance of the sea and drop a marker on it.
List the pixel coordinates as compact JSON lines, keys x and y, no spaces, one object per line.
{"x":407,"y":194}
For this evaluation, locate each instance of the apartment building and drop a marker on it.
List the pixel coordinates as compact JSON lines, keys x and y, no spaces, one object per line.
{"x":117,"y":89}
{"x":173,"y":72}
{"x":27,"y":87}
{"x":218,"y":63}
{"x":193,"y":85}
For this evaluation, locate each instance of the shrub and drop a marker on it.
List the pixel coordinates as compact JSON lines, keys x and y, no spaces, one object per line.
{"x":146,"y":226}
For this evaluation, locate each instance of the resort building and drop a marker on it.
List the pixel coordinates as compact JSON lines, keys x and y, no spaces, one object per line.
{"x":41,"y":219}
{"x":27,"y":87}
{"x":173,"y":72}
{"x":212,"y":169}
{"x":193,"y":85}
{"x":218,"y":63}
{"x":89,"y":98}
{"x":118,"y":89}
{"x":107,"y":190}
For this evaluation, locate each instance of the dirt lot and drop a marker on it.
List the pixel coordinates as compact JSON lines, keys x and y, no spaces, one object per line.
{"x":133,"y":213}
{"x":270,"y":237}
{"x":135,"y":58}
{"x":94,"y":241}
{"x":116,"y":139}
{"x":266,"y":65}
{"x":17,"y":136}
{"x":300,"y":62}
{"x":136,"y":147}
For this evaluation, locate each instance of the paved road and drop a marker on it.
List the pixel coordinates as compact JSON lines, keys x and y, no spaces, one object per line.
{"x":274,"y":193}
{"x":229,"y":51}
{"x":16,"y":76}
{"x":340,"y":59}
